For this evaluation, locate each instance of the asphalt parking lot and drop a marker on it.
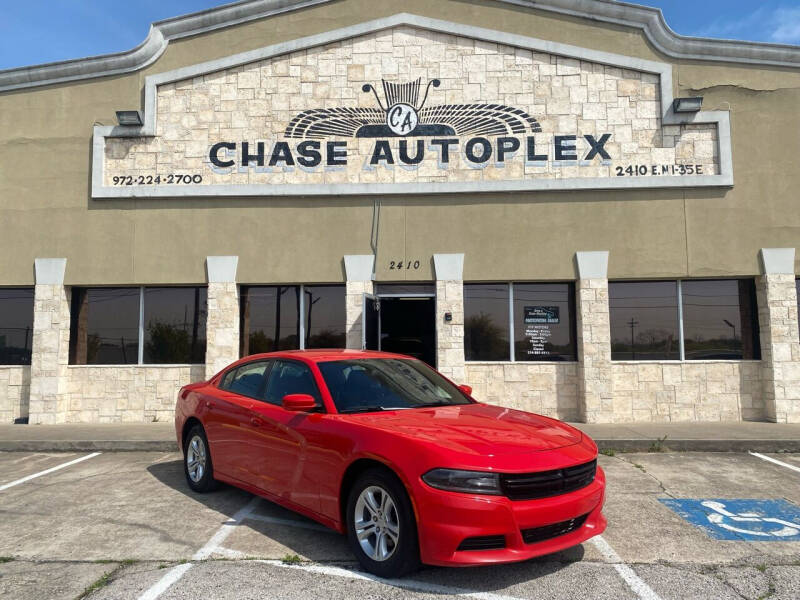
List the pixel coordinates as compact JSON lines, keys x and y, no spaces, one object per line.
{"x":125,"y":525}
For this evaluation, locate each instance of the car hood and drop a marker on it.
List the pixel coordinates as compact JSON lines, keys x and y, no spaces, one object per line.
{"x":476,"y":428}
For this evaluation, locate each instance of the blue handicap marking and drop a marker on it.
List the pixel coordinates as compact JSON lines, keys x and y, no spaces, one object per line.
{"x":739,"y":519}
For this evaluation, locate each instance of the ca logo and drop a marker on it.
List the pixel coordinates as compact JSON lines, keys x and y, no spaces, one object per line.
{"x":402,"y":118}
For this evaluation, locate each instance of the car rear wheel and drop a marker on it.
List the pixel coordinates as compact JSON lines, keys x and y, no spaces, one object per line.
{"x":197,"y":461}
{"x":381,"y":528}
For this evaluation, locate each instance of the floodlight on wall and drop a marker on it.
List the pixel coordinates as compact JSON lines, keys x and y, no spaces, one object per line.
{"x":129,"y":117}
{"x":685,"y":105}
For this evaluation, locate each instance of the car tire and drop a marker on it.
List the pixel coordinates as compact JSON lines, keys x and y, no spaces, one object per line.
{"x":197,"y":464}
{"x":389,"y":544}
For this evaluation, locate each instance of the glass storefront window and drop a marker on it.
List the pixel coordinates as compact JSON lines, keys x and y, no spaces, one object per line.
{"x":174,"y":325}
{"x":104,"y":326}
{"x":720,"y":320}
{"x":544,"y":324}
{"x":325,"y":316}
{"x":16,"y":325}
{"x":270,"y":319}
{"x":644,"y":320}
{"x":486,"y":321}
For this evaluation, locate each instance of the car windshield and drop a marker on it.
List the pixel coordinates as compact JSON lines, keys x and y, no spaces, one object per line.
{"x":374,"y":384}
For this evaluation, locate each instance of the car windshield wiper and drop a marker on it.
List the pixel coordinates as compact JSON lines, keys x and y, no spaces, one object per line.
{"x":441,"y":403}
{"x":358,"y":409}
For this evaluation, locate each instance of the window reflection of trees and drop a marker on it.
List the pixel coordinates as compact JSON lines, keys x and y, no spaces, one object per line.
{"x":484,"y":339}
{"x":270,"y":318}
{"x":175,"y":325}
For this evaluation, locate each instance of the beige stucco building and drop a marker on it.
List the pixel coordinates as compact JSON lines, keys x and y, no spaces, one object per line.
{"x":561,"y":203}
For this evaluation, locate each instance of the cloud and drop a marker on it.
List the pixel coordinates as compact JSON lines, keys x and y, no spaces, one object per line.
{"x":787,"y":26}
{"x":779,"y":24}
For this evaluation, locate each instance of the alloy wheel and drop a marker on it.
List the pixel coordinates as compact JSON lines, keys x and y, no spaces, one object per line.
{"x":196,"y":459}
{"x":377,"y":524}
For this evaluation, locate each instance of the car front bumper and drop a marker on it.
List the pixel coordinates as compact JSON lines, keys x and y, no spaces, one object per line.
{"x":446,"y":519}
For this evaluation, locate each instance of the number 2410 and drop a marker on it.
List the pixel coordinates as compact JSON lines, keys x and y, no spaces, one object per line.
{"x":399,"y":264}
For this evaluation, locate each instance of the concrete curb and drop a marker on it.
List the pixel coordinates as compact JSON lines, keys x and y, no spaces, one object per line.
{"x":618,"y":445}
{"x":671,"y":445}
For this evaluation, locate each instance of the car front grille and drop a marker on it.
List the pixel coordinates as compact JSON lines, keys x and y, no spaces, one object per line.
{"x":528,"y":486}
{"x":548,"y":532}
{"x":483,"y":542}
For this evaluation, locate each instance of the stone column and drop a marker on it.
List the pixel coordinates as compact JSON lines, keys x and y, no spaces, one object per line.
{"x":595,"y":397}
{"x":358,"y":270}
{"x":222,"y":322}
{"x":50,"y":349}
{"x":449,"y":270}
{"x":780,"y":340}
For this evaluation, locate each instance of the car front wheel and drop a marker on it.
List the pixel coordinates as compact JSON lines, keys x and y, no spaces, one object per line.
{"x":197,"y":461}
{"x":381,"y":528}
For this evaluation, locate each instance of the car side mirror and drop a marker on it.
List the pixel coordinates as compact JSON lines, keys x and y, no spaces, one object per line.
{"x":299,"y":402}
{"x":467,"y":389}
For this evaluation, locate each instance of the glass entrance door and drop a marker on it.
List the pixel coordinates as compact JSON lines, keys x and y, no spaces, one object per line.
{"x":401,"y":318}
{"x":370,"y":323}
{"x":408,"y":326}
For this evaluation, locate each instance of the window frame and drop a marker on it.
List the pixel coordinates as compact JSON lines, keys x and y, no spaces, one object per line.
{"x":758,"y":356}
{"x":140,"y":353}
{"x":511,"y":330}
{"x":301,"y":307}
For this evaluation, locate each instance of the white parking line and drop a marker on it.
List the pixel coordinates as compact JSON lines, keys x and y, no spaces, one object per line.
{"x":48,"y":471}
{"x":213,"y":545}
{"x":636,"y":583}
{"x":406,"y":584}
{"x":163,"y":584}
{"x":776,"y":461}
{"x":226,"y":529}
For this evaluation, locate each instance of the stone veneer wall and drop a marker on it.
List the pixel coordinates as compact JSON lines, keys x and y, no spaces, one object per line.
{"x":688,"y":391}
{"x":780,"y":346}
{"x":450,"y":334}
{"x":354,"y":305}
{"x":50,"y":354}
{"x":121,"y":393}
{"x":594,"y":349}
{"x":222,"y":327}
{"x":15,"y":387}
{"x":546,"y":388}
{"x":640,"y":391}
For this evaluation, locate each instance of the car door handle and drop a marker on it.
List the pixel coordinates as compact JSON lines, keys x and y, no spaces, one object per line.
{"x":210,"y":404}
{"x":256,"y":422}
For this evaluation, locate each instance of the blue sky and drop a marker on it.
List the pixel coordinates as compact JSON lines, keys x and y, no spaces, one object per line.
{"x":40,"y":31}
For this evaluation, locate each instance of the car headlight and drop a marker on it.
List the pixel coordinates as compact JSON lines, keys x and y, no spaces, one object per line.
{"x":471,"y":482}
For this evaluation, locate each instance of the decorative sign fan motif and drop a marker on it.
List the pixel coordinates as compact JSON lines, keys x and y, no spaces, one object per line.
{"x":404,"y":115}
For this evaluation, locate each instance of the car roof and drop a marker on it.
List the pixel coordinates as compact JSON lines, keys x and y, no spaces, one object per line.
{"x":327,"y":354}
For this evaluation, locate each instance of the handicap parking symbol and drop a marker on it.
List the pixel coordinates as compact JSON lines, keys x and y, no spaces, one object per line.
{"x":740,"y":519}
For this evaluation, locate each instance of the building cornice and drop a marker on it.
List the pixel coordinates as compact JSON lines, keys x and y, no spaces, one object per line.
{"x":649,"y":20}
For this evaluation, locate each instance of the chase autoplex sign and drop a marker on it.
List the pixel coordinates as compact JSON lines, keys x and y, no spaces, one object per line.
{"x":406,"y":133}
{"x":410,"y":110}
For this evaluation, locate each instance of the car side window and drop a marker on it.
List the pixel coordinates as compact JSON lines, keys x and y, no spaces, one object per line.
{"x":226,"y":379}
{"x":247,"y":380}
{"x":290,"y":377}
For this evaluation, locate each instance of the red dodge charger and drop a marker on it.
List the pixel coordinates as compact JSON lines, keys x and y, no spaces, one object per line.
{"x":386,"y":450}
